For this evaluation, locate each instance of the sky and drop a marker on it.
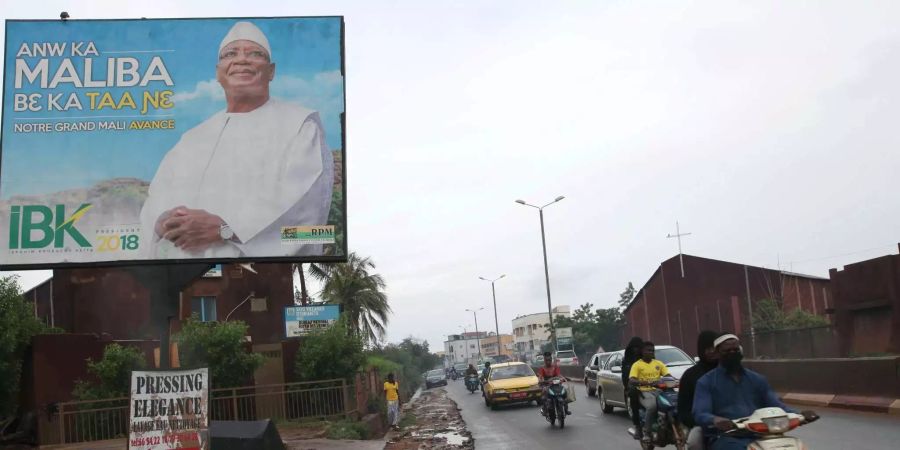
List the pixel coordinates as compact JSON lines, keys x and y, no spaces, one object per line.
{"x":308,"y":72}
{"x":767,"y":129}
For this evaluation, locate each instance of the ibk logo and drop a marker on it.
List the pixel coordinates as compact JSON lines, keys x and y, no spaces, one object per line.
{"x":39,"y":226}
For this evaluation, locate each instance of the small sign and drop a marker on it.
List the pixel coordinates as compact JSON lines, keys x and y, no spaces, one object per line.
{"x":319,"y":234}
{"x":169,"y":409}
{"x":302,"y":320}
{"x":563,"y":333}
{"x":215,"y":272}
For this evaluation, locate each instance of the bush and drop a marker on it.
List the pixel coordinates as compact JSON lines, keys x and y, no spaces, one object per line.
{"x":329,"y":354}
{"x":347,"y":429}
{"x":112,"y":374}
{"x":17,"y":326}
{"x":220,"y":347}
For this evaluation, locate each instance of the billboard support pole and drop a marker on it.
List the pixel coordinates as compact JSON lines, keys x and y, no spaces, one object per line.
{"x":165,"y":283}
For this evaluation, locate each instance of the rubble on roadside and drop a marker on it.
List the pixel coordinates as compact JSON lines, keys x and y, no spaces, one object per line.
{"x":433,"y":422}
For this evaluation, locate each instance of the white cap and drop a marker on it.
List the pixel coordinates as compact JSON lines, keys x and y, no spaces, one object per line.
{"x":725,"y":337}
{"x":246,"y":31}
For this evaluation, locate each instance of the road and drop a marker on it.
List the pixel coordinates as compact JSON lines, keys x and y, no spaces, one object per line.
{"x":523,"y":428}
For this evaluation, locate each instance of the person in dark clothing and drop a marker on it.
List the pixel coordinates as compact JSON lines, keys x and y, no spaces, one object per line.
{"x":709,"y":359}
{"x":632,"y":354}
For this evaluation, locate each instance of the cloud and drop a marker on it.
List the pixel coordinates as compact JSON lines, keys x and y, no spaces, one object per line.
{"x":204,"y":90}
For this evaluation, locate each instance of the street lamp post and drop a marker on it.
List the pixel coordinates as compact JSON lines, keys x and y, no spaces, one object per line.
{"x":477,"y":338}
{"x":546,"y":270}
{"x":496,"y":322}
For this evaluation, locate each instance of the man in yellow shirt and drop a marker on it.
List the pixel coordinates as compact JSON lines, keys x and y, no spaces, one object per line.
{"x":645,"y":373}
{"x":392,"y":395}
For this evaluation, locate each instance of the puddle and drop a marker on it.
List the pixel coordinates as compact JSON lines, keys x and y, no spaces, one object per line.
{"x":452,"y":438}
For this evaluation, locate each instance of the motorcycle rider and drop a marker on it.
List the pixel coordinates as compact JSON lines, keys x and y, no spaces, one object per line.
{"x":731,"y":391}
{"x":484,"y":374}
{"x":708,"y":360}
{"x":644,"y":374}
{"x":632,"y":354}
{"x":547,"y":372}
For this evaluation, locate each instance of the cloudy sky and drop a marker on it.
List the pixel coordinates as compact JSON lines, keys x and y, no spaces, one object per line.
{"x":767,"y":129}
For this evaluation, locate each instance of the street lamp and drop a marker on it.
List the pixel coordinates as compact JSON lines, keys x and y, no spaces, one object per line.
{"x":496,"y":322}
{"x":546,"y":270}
{"x":477,"y":339}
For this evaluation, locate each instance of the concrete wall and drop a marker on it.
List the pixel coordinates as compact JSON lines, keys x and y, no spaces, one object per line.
{"x":867,"y":306}
{"x":868,"y":377}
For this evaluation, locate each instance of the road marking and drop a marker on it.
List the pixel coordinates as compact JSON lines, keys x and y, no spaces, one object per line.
{"x":591,"y":415}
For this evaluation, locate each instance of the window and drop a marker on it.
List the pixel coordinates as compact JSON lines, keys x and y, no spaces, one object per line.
{"x":614,"y":361}
{"x":204,"y":308}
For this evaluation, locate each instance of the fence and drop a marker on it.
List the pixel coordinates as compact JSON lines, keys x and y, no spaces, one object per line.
{"x":83,"y":421}
{"x":816,"y":342}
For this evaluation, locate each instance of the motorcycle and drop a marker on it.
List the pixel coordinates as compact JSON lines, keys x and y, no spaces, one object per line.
{"x":768,"y":426}
{"x":454,"y":375}
{"x":472,"y":383}
{"x":665,"y":429}
{"x":555,"y":402}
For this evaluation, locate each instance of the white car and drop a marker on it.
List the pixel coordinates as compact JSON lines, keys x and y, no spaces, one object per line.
{"x":566,"y":358}
{"x":609,"y":378}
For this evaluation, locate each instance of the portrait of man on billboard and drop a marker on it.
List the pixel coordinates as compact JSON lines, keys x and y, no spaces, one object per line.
{"x":231,"y":183}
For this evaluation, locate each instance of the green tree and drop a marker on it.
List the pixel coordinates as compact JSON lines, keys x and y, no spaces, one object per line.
{"x":408,"y":360}
{"x":592,"y":328}
{"x":360,"y":292}
{"x":220,"y":347}
{"x":329,"y":354}
{"x":17,"y":326}
{"x":626,"y":297}
{"x":112,"y":373}
{"x":769,"y":315}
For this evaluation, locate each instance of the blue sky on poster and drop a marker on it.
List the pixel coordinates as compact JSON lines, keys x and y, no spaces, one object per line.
{"x":768,"y":128}
{"x":307,"y":57}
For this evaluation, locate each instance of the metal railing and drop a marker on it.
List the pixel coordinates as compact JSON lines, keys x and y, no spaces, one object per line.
{"x":95,"y":420}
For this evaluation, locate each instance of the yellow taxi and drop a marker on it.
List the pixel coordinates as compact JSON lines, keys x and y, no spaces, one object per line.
{"x":512,"y":382}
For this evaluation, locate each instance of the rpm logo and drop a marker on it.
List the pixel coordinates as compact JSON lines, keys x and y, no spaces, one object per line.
{"x":40,"y":226}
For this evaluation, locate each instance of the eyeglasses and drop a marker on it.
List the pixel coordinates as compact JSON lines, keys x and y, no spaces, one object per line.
{"x":253,"y":55}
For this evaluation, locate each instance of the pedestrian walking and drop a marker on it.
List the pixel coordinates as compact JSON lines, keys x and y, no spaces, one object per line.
{"x":392,"y":396}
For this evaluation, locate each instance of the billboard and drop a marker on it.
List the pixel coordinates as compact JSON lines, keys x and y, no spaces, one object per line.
{"x":169,"y":409}
{"x":207,"y":140}
{"x":302,"y":320}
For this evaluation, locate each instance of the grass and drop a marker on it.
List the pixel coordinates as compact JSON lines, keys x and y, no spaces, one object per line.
{"x":408,"y":420}
{"x":347,"y":429}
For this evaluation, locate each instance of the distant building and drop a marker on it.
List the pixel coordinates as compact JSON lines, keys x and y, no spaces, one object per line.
{"x":489,"y":345}
{"x":714,"y":295}
{"x":464,"y":347}
{"x":531,"y":331}
{"x":867,"y":306}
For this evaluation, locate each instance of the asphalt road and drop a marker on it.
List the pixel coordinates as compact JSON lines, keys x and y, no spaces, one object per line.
{"x":523,"y":428}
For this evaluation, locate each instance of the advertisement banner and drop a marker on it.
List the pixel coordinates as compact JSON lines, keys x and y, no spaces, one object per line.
{"x":127,"y":141}
{"x":563,"y":333}
{"x":301,"y":320}
{"x":169,"y":410}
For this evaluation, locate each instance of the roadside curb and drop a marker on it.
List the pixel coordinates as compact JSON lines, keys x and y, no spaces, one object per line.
{"x":882,"y":405}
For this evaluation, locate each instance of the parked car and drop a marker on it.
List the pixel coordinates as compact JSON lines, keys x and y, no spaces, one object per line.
{"x":513,"y":382}
{"x":461,"y":368}
{"x":592,"y":369}
{"x":435,"y":377}
{"x":610,"y":389}
{"x":566,"y":358}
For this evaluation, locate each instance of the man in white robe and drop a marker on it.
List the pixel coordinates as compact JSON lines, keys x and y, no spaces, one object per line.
{"x":230,"y":184}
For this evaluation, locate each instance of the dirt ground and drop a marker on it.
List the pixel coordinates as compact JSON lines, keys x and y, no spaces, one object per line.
{"x":432,"y":421}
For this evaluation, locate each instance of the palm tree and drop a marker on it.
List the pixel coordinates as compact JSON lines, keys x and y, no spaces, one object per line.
{"x":360,"y":292}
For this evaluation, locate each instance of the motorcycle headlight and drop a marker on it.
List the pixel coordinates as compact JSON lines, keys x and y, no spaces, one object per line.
{"x":500,"y":391}
{"x":778,"y":424}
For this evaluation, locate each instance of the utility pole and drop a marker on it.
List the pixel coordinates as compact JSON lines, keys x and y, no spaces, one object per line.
{"x":678,"y":234}
{"x":477,"y":334}
{"x":496,"y":322}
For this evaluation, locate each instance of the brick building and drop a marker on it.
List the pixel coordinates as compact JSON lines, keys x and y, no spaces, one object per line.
{"x":714,"y":295}
{"x":867,"y":306}
{"x":113,"y":303}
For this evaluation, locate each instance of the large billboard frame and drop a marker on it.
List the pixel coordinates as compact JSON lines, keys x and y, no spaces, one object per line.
{"x":344,"y":248}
